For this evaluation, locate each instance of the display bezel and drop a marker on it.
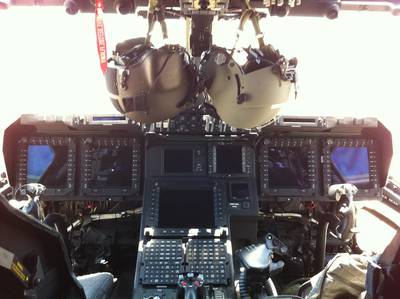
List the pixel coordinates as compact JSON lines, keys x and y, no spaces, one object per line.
{"x":155,"y":156}
{"x":289,"y":142}
{"x":330,"y":143}
{"x":234,"y":198}
{"x":247,"y":161}
{"x":69,"y":142}
{"x":152,"y":196}
{"x":88,"y":145}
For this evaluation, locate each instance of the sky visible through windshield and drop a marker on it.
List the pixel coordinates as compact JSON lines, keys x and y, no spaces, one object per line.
{"x":347,"y":67}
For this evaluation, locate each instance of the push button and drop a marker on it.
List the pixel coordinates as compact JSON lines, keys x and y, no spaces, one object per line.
{"x":246,"y":204}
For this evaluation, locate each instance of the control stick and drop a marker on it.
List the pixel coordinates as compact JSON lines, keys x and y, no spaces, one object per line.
{"x":32,"y":205}
{"x":344,"y":194}
{"x":257,"y":267}
{"x":190,"y":282}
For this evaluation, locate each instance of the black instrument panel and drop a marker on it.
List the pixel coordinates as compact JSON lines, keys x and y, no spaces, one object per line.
{"x":174,"y":159}
{"x":48,"y":160}
{"x":226,"y":164}
{"x":230,"y":159}
{"x":351,"y":160}
{"x":110,"y":166}
{"x":75,"y":167}
{"x":305,"y":167}
{"x":203,"y":201}
{"x":87,"y":166}
{"x":196,"y":190}
{"x":289,"y":166}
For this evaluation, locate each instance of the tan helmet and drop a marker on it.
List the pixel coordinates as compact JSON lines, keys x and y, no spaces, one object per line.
{"x":148,"y":84}
{"x":248,"y":96}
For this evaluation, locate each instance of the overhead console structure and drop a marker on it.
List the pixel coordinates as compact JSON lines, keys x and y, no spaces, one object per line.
{"x":201,"y":184}
{"x":326,"y":8}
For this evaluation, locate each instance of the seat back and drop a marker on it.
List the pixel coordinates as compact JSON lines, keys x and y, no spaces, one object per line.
{"x":33,"y":259}
{"x":383,"y":277}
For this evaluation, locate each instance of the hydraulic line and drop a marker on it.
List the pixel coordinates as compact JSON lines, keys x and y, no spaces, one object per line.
{"x":243,"y":287}
{"x":321,"y":246}
{"x":271,"y":289}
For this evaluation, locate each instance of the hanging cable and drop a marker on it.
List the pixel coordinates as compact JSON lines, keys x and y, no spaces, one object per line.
{"x":100,"y":35}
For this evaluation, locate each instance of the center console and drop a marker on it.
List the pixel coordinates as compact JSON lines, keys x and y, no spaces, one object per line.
{"x":192,"y":189}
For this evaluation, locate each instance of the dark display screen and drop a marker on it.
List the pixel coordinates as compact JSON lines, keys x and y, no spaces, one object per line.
{"x":111,"y":167}
{"x":240,"y":191}
{"x":350,"y":165}
{"x":47,"y":165}
{"x":229,"y":159}
{"x":186,"y":209}
{"x":288,"y":167}
{"x":178,"y":161}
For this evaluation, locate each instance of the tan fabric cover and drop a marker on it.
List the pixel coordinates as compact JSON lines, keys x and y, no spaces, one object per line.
{"x":344,"y":275}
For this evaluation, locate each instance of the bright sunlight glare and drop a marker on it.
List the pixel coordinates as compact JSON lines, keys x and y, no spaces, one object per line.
{"x":347,"y":67}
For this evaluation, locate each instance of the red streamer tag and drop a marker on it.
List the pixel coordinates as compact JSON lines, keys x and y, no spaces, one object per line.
{"x":101,"y":36}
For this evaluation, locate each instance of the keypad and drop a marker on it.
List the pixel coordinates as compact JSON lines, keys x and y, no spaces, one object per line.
{"x":162,"y":261}
{"x":208,"y":256}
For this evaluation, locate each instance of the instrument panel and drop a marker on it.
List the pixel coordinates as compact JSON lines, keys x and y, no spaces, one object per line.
{"x":230,"y":159}
{"x":222,"y":169}
{"x":200,"y":193}
{"x":85,"y":166}
{"x":89,"y":164}
{"x":48,"y":160}
{"x":308,"y":166}
{"x":351,"y":160}
{"x":110,"y":166}
{"x":289,"y":166}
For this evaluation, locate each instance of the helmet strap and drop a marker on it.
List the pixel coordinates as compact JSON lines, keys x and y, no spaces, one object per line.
{"x":156,"y":12}
{"x":250,"y":14}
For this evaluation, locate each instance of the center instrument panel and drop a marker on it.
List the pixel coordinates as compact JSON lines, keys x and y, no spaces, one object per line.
{"x":193,"y":185}
{"x":223,"y":168}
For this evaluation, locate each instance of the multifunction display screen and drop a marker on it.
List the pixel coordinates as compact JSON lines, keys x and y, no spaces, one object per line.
{"x":111,"y":167}
{"x":240,"y":191}
{"x":350,"y":165}
{"x":178,"y":161}
{"x":47,"y":165}
{"x":229,"y":159}
{"x":186,"y":209}
{"x":288,"y":167}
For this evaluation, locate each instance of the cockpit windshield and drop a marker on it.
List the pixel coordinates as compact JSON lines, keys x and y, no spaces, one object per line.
{"x":347,"y":66}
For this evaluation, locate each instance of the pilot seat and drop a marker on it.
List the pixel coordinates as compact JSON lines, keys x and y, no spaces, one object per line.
{"x":34,"y":262}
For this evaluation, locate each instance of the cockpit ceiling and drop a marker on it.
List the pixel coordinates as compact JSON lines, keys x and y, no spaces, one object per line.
{"x":233,"y":8}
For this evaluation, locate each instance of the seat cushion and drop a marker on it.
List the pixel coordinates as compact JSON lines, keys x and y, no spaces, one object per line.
{"x":97,"y":285}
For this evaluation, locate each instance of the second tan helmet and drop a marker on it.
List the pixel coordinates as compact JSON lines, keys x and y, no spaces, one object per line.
{"x":244,"y":97}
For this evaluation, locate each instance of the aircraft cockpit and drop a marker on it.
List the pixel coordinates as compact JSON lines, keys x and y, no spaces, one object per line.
{"x":160,"y":204}
{"x":197,"y":184}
